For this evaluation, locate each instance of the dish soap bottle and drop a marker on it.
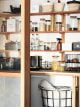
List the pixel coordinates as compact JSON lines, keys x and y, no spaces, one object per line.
{"x":59,"y":44}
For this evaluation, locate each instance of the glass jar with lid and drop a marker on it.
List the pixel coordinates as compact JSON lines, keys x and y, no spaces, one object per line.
{"x":78,"y":23}
{"x":48,"y":25}
{"x":73,"y":23}
{"x":58,"y":26}
{"x":34,"y":26}
{"x":42,"y":25}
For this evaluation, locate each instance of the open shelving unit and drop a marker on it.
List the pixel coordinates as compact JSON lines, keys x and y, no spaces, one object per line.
{"x":62,"y":13}
{"x":10,"y":73}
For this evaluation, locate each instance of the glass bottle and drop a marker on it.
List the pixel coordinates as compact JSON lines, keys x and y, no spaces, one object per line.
{"x":3,"y":26}
{"x":59,"y":44}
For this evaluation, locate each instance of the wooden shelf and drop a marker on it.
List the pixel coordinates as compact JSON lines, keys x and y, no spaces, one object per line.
{"x":45,"y":51}
{"x":8,"y":33}
{"x":52,"y":73}
{"x":58,"y":32}
{"x":8,"y":51}
{"x":51,"y":13}
{"x":5,"y":14}
{"x":6,"y":73}
{"x":53,"y":51}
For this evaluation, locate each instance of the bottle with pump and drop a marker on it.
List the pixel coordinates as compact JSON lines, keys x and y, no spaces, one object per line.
{"x":59,"y":44}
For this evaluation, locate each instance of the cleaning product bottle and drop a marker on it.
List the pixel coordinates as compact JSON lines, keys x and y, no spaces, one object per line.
{"x":59,"y":44}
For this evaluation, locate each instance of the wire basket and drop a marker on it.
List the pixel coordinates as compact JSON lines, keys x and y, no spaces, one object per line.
{"x":59,"y":96}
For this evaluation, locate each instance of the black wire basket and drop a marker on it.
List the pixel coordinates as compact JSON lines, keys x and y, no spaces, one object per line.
{"x":59,"y":96}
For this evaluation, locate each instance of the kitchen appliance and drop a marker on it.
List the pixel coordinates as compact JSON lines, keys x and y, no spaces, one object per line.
{"x":11,"y":45}
{"x":73,"y":5}
{"x":35,"y":62}
{"x":76,"y":46}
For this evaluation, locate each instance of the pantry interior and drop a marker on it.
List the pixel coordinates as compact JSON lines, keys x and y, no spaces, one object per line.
{"x":30,"y":79}
{"x":52,"y":38}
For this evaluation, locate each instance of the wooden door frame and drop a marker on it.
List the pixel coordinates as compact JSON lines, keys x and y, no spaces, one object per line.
{"x":25,"y":53}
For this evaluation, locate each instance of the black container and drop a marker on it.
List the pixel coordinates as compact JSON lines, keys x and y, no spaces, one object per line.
{"x":15,"y":9}
{"x":76,"y":46}
{"x":35,"y":62}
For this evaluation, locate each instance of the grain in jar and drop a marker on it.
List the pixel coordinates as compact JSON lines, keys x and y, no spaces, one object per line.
{"x":52,"y":23}
{"x":42,"y":25}
{"x":48,"y":25}
{"x":58,"y":26}
{"x":78,"y":23}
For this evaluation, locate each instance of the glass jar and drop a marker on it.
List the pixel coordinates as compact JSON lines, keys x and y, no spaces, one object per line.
{"x":42,"y":25}
{"x":34,"y":26}
{"x":73,"y":23}
{"x":55,"y":63}
{"x":78,"y":23}
{"x":48,"y":25}
{"x":58,"y":26}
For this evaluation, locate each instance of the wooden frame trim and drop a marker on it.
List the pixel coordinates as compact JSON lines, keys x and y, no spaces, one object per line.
{"x":25,"y":53}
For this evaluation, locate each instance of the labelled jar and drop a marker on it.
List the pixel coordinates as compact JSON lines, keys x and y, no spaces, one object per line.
{"x":78,"y":23}
{"x":42,"y":25}
{"x":48,"y":25}
{"x":73,"y":23}
{"x":34,"y":26}
{"x":58,"y":26}
{"x":52,"y":23}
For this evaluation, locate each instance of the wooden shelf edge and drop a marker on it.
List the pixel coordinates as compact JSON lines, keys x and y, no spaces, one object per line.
{"x":6,"y":14}
{"x":57,"y":32}
{"x":7,"y":51}
{"x":8,"y":33}
{"x":6,"y":73}
{"x":49,"y":73}
{"x":63,"y":51}
{"x":51,"y":13}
